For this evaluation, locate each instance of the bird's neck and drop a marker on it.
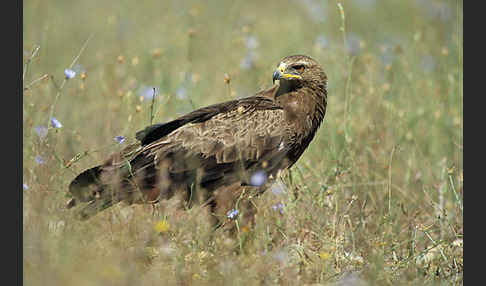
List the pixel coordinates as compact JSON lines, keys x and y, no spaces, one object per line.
{"x":303,"y":105}
{"x":304,"y":109}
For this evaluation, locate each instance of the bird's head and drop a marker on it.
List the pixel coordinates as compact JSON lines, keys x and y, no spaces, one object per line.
{"x":299,"y":70}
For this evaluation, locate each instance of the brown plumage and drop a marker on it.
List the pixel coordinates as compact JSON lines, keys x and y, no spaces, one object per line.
{"x":211,"y":154}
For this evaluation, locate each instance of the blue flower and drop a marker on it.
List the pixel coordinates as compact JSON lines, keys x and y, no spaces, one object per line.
{"x":279,"y":207}
{"x":41,"y":131}
{"x":55,"y":123}
{"x":148,"y":91}
{"x":258,"y":178}
{"x":25,"y":187}
{"x":69,"y":73}
{"x":39,"y":160}
{"x":120,"y":139}
{"x":232,"y":214}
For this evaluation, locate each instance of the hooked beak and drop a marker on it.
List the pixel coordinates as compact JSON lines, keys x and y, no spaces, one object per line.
{"x":282,"y":73}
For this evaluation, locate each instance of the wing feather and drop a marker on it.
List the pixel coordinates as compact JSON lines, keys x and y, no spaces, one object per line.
{"x":213,"y":146}
{"x":227,"y":145}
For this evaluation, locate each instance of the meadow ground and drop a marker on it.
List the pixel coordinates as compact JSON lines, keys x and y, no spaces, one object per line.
{"x":376,"y":198}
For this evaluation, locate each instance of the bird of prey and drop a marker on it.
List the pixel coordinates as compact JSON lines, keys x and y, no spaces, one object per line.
{"x":216,"y":153}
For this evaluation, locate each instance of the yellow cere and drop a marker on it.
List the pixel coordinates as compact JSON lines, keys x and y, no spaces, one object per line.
{"x":287,"y":75}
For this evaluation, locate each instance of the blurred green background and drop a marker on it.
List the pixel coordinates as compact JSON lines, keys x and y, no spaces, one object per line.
{"x":388,"y":156}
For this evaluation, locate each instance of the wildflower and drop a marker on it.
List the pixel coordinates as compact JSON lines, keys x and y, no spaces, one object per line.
{"x":25,"y":187}
{"x":55,"y":123}
{"x":147,"y":92}
{"x":162,"y":226}
{"x":41,"y":131}
{"x":39,"y":160}
{"x":69,"y":73}
{"x":120,"y":139}
{"x":252,"y":42}
{"x":232,"y":214}
{"x":279,"y":207}
{"x":258,"y":178}
{"x":324,"y":255}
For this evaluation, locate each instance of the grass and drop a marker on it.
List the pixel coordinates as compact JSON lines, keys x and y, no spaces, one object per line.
{"x":377,"y":197}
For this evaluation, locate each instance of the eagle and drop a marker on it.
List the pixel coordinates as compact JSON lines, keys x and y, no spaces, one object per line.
{"x":216,"y":154}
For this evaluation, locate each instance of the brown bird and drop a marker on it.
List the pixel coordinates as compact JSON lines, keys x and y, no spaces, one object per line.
{"x":217,"y":154}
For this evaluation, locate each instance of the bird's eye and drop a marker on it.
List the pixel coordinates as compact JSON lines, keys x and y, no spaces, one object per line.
{"x":299,"y":68}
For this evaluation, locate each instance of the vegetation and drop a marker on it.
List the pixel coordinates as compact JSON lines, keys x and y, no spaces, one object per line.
{"x":377,"y":198}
